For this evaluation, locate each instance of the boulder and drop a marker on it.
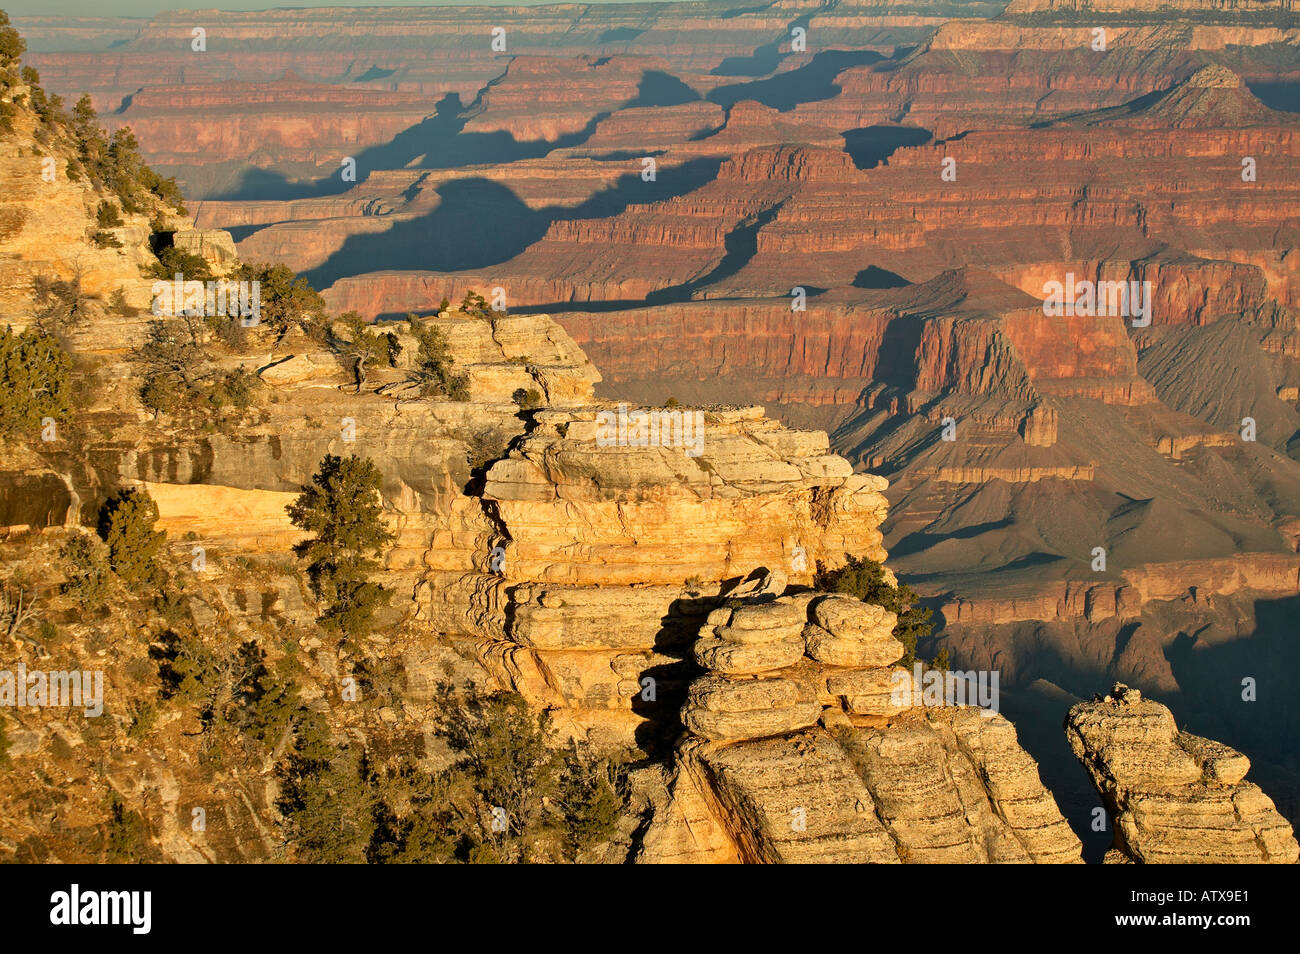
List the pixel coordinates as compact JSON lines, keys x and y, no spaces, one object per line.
{"x":846,"y":651}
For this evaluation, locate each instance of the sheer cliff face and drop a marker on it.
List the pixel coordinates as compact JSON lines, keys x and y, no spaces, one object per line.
{"x":606,"y":551}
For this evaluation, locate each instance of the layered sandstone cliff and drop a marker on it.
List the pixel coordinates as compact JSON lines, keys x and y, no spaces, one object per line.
{"x":655,"y":590}
{"x":816,"y":748}
{"x":606,"y":554}
{"x":1173,"y":797}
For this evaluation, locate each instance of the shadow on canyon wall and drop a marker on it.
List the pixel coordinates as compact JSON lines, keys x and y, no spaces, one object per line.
{"x":480,"y":223}
{"x":1283,"y":96}
{"x":440,"y":142}
{"x":767,"y":57}
{"x":872,"y":145}
{"x":811,"y":83}
{"x":741,"y":245}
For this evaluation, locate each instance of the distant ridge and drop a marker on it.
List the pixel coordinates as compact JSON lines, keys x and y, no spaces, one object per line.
{"x":1212,"y":97}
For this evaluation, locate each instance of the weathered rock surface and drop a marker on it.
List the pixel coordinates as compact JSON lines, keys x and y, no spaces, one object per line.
{"x":613,"y":555}
{"x":1173,"y":797}
{"x":880,"y":780}
{"x":944,"y":786}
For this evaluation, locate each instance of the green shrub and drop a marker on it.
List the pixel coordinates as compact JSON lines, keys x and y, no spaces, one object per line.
{"x":591,"y":798}
{"x":88,"y":572}
{"x":326,"y":797}
{"x":237,"y":389}
{"x":173,"y":261}
{"x":162,"y":394}
{"x":492,"y":805}
{"x":358,"y":347}
{"x":12,"y":46}
{"x":527,"y":400}
{"x":475,"y":305}
{"x":189,"y":672}
{"x":172,"y":363}
{"x":48,"y":108}
{"x":287,"y":300}
{"x":342,"y":509}
{"x":433,"y":364}
{"x":144,"y":716}
{"x":126,"y":836}
{"x":35,"y":380}
{"x":267,"y":699}
{"x":113,"y":163}
{"x":60,"y":305}
{"x":231,"y":333}
{"x":865,"y":579}
{"x":178,"y":378}
{"x":484,"y":446}
{"x":235,"y":689}
{"x":107,"y":215}
{"x":127,"y":526}
{"x":507,"y":796}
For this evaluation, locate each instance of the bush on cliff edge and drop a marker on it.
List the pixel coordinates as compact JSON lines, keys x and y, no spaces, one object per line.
{"x":865,"y":579}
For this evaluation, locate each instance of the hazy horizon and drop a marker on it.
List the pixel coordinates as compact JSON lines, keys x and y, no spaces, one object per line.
{"x":147,"y":8}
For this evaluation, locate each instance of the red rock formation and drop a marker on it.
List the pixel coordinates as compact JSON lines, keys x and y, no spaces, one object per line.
{"x":287,"y":120}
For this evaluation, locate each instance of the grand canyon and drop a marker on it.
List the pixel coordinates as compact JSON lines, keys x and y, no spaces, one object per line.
{"x":966,"y":333}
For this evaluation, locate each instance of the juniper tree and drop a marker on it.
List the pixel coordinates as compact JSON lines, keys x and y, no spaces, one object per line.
{"x":12,"y":46}
{"x":475,"y":304}
{"x":527,"y":399}
{"x":35,"y":380}
{"x":502,"y":753}
{"x":342,"y":510}
{"x":127,"y":526}
{"x":433,"y":364}
{"x":107,"y":215}
{"x":865,"y":579}
{"x":287,"y":300}
{"x":590,"y":799}
{"x":60,"y":305}
{"x":88,"y":572}
{"x":172,"y":362}
{"x":268,"y":698}
{"x":126,"y":834}
{"x":358,"y":346}
{"x":173,"y":261}
{"x":326,"y":797}
{"x":507,"y":796}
